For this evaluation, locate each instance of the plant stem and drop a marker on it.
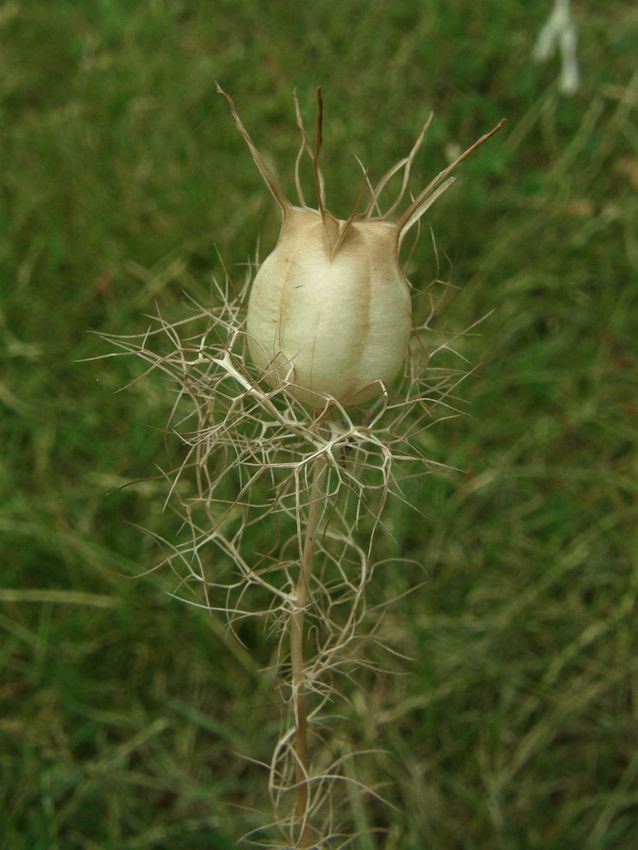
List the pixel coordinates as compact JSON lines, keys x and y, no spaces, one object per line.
{"x":302,"y":595}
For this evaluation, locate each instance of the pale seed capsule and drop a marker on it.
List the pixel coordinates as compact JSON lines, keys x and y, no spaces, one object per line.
{"x":329,"y":312}
{"x":335,"y":327}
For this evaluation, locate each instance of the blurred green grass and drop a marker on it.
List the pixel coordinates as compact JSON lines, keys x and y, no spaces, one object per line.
{"x":121,"y":711}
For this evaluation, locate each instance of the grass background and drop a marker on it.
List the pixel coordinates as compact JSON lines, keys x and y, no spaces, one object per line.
{"x":121,"y":711}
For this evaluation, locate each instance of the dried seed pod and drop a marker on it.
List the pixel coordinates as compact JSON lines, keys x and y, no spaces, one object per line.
{"x":343,"y":324}
{"x":329,"y":312}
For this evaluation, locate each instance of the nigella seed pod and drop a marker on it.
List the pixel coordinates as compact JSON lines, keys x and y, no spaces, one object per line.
{"x":329,"y":312}
{"x":343,"y":323}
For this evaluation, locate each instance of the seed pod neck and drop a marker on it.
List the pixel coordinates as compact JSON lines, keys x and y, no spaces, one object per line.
{"x":375,"y":239}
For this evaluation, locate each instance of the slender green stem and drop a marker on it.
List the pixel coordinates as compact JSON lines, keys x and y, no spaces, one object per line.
{"x":302,"y":598}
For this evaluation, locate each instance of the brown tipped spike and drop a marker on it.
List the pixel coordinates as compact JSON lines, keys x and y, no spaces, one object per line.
{"x":346,"y":226}
{"x":408,"y":166}
{"x":319,"y":182}
{"x":435,"y":188}
{"x":265,"y":172}
{"x":330,"y":223}
{"x":422,"y":208}
{"x":373,"y":204}
{"x":405,"y":163}
{"x":319,"y":123}
{"x":303,"y":147}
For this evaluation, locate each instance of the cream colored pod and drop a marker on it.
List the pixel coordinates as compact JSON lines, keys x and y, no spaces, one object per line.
{"x":329,"y":312}
{"x":336,"y":326}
